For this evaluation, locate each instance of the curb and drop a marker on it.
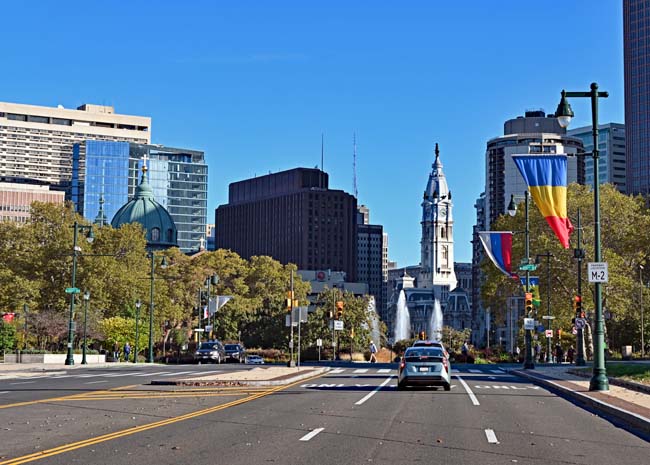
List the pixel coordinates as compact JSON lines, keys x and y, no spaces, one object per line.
{"x":631,"y":385}
{"x":261,"y":382}
{"x":601,"y":408}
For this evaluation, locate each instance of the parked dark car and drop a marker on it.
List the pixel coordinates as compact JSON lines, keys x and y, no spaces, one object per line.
{"x":210,"y":352}
{"x":235,"y":352}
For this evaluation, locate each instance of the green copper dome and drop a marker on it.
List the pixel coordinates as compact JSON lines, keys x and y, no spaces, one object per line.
{"x":154,"y":218}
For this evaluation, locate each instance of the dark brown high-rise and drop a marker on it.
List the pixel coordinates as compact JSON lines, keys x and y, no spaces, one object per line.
{"x":293,"y":217}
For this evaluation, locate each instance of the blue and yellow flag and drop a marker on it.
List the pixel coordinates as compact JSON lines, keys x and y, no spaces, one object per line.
{"x":546,"y":176}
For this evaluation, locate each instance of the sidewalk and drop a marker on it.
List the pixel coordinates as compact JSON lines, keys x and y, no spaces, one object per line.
{"x":628,"y":406}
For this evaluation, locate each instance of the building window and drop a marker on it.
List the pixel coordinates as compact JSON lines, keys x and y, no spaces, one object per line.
{"x":155,"y":234}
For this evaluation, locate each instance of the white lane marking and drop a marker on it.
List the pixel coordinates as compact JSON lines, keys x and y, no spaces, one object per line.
{"x":201,"y":373}
{"x":4,"y":392}
{"x":154,"y":374}
{"x":370,"y":394}
{"x":117,"y":375}
{"x":491,"y":437}
{"x":384,"y":370}
{"x":24,"y":382}
{"x":498,"y":372}
{"x":179,"y":373}
{"x":453,"y":370}
{"x":310,"y":435}
{"x":475,"y":371}
{"x":95,"y":382}
{"x":88,"y":376}
{"x":361,"y":370}
{"x":468,"y":390}
{"x":338,"y":370}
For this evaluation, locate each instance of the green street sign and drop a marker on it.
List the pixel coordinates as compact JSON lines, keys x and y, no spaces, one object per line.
{"x":531,"y":267}
{"x":72,"y":290}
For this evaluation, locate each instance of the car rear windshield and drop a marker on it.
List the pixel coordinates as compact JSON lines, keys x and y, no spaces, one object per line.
{"x":208,"y":345}
{"x":232,"y":347}
{"x":422,"y":352}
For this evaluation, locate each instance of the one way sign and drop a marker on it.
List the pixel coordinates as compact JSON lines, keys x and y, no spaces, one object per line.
{"x":597,"y":272}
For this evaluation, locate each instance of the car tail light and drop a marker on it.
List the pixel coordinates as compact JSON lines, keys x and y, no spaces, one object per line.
{"x":445,"y":364}
{"x":402,"y":365}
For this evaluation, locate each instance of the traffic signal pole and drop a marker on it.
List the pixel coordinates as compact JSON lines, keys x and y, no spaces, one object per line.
{"x":528,"y":362}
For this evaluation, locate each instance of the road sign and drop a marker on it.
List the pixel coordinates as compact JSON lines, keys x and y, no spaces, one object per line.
{"x":532,"y":280}
{"x":531,"y":267}
{"x":72,"y":290}
{"x":338,"y":325}
{"x":549,"y":333}
{"x":287,"y":321}
{"x":581,"y":323}
{"x":319,"y":342}
{"x":597,"y":272}
{"x":548,"y":317}
{"x":199,"y":330}
{"x":529,"y":323}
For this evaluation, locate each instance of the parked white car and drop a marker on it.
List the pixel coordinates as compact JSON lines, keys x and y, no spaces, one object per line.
{"x":254,"y":360}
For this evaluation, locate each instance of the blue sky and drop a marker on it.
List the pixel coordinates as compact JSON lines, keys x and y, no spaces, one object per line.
{"x":255,"y":83}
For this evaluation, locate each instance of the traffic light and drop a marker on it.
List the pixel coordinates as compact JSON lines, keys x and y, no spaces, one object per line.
{"x":559,"y":333}
{"x":339,"y":309}
{"x":289,"y":301}
{"x":577,"y":305}
{"x":423,"y":335}
{"x":529,"y":302}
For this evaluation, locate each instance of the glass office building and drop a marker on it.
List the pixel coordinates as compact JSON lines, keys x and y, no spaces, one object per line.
{"x":179,"y":179}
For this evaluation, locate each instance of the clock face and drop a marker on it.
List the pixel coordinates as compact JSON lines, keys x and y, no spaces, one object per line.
{"x":443,"y":211}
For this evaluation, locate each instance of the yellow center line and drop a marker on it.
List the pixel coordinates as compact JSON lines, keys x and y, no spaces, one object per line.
{"x":80,"y":395}
{"x":137,"y":429}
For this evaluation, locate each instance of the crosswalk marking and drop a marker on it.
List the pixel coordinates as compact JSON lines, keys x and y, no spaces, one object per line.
{"x":338,"y":370}
{"x":153,"y":374}
{"x":179,"y":373}
{"x":361,"y":370}
{"x":117,"y":375}
{"x":384,"y":370}
{"x":498,"y":372}
{"x":474,"y":371}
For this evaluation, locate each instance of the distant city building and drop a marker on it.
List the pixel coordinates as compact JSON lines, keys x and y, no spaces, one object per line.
{"x":322,"y":279}
{"x":533,"y":133}
{"x":611,"y":146}
{"x":458,"y":310}
{"x":210,"y":234}
{"x":636,"y":49}
{"x":463,"y":276}
{"x":36,"y":142}
{"x":293,"y":217}
{"x":16,"y":200}
{"x":372,"y":258}
{"x":178,"y":178}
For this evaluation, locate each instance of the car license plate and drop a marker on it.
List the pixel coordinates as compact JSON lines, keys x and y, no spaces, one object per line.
{"x":424,"y":368}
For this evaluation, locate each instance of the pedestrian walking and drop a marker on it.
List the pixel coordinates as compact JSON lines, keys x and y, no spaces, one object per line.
{"x":538,"y":351}
{"x":127,"y":352}
{"x":570,"y":354}
{"x":559,"y":353}
{"x":116,"y":352}
{"x":373,"y":351}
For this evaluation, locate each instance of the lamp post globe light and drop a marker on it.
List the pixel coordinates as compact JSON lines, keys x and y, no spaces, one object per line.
{"x":138,"y":304}
{"x":83,"y":349}
{"x":90,"y":237}
{"x":529,"y":363}
{"x":163,"y":265}
{"x":564,"y":113}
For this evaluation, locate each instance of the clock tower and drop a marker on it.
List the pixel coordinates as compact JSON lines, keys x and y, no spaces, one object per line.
{"x":437,"y":244}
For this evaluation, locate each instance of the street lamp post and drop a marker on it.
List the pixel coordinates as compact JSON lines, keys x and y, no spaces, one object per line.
{"x":529,"y":364}
{"x":69,"y":360}
{"x":641,"y":305}
{"x":214,"y":280}
{"x":163,"y":265}
{"x":138,"y":304}
{"x":83,"y":349}
{"x":548,"y":256}
{"x":564,"y":114}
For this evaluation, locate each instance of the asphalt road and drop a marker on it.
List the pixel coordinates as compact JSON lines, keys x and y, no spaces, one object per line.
{"x":350,"y":416}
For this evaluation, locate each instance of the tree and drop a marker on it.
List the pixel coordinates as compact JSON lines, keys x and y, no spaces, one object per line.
{"x":7,"y":336}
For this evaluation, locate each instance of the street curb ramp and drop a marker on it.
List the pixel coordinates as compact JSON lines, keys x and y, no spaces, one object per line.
{"x":601,"y":408}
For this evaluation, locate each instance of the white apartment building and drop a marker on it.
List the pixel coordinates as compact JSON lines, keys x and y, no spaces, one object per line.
{"x":36,"y":142}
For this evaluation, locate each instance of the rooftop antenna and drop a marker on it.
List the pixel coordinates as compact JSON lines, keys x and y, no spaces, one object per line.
{"x":322,"y":150}
{"x":354,"y":164}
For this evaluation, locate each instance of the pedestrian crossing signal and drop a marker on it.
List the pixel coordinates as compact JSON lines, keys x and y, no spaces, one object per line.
{"x":577,"y":304}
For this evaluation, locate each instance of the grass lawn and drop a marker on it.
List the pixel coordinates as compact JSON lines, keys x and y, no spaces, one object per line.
{"x":633,"y":371}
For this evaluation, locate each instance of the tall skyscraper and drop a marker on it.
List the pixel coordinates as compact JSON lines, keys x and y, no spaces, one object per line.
{"x":293,"y":217}
{"x":372,"y":258}
{"x":611,"y":146}
{"x":36,"y":143}
{"x":178,"y":177}
{"x":533,"y":133}
{"x":636,"y":53}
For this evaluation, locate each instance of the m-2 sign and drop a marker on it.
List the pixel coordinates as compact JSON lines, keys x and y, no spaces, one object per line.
{"x":597,"y":272}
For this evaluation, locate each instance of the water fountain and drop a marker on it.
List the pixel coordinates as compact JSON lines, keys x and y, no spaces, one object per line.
{"x":402,"y":319}
{"x":435,"y":323}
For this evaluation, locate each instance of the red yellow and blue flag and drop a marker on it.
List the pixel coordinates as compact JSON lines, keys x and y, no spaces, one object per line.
{"x":546,"y":176}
